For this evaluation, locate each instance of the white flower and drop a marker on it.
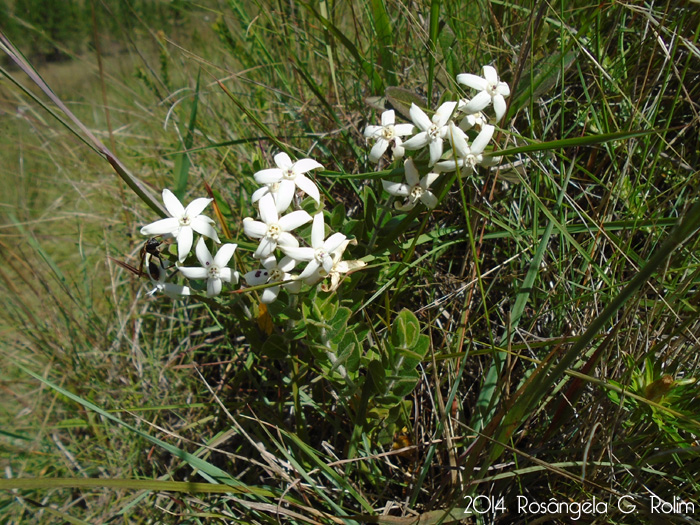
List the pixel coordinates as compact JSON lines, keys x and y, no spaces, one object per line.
{"x":272,"y":189}
{"x":471,"y":120}
{"x":432,"y":131}
{"x":214,"y":269}
{"x":319,"y":255}
{"x":340,"y":267}
{"x":273,"y":230}
{"x":290,"y":175}
{"x":491,"y":90}
{"x":182,"y":222}
{"x":387,"y":135}
{"x":274,"y":272}
{"x":466,"y":156}
{"x":415,"y":190}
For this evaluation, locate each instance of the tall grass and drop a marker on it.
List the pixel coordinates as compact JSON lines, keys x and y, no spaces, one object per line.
{"x":556,"y":296}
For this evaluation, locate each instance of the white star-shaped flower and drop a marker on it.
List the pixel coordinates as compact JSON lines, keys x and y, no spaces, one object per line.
{"x":388,"y":134}
{"x":471,"y":120}
{"x":339,"y":268}
{"x":274,"y":272}
{"x":182,"y":223}
{"x":466,"y":156}
{"x":320,"y":253}
{"x":415,"y":190}
{"x":491,"y":90}
{"x":432,"y":131}
{"x":273,"y":230}
{"x":214,"y":269}
{"x":290,"y":175}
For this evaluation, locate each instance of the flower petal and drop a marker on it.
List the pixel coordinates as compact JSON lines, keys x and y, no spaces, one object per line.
{"x":201,"y":225}
{"x":257,"y":194}
{"x":307,"y":186}
{"x":269,"y":263}
{"x":412,"y":175}
{"x":417,"y":141}
{"x":287,"y":239}
{"x":293,"y":220}
{"x":283,"y":161}
{"x":184,"y":242}
{"x":435,"y":151}
{"x":253,"y":228}
{"x":388,"y":118}
{"x":197,"y":206}
{"x":268,"y":209}
{"x":419,"y":118}
{"x":226,"y":274}
{"x":473,"y":81}
{"x":378,"y":150}
{"x":332,"y":243}
{"x":318,"y":231}
{"x":372,"y":131}
{"x":268,"y":176}
{"x":172,"y":204}
{"x":269,"y":295}
{"x":428,"y":180}
{"x":298,"y":253}
{"x":443,"y":113}
{"x":203,"y":254}
{"x":310,"y":269}
{"x":304,"y":165}
{"x":482,"y":139}
{"x":256,"y":277}
{"x":499,"y":105}
{"x":193,"y":272}
{"x":402,"y":130}
{"x":287,"y":263}
{"x":450,"y":165}
{"x":213,"y":287}
{"x":223,"y":256}
{"x":398,"y":189}
{"x":491,"y":75}
{"x":285,"y":195}
{"x":265,"y":248}
{"x":160,"y":227}
{"x":503,"y":89}
{"x":479,"y":102}
{"x":429,"y":200}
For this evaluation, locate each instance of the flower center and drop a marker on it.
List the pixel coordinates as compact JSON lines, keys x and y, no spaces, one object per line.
{"x":213,"y":271}
{"x":416,"y":193}
{"x":273,"y":231}
{"x":472,"y":160}
{"x":289,"y":174}
{"x":320,"y":255}
{"x":388,"y":132}
{"x":434,"y":132}
{"x":185,"y":220}
{"x":491,"y":88}
{"x":276,"y":275}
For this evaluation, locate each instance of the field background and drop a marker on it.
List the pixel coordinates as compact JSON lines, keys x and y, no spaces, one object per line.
{"x":559,"y":302}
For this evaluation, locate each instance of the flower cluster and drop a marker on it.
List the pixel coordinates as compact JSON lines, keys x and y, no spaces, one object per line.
{"x":275,"y":232}
{"x":180,"y":226}
{"x":434,"y":132}
{"x":274,"y":229}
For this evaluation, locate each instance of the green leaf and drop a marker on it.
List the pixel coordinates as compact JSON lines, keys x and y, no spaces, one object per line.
{"x":276,"y":347}
{"x":405,"y":330}
{"x":401,"y":100}
{"x":378,"y":376}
